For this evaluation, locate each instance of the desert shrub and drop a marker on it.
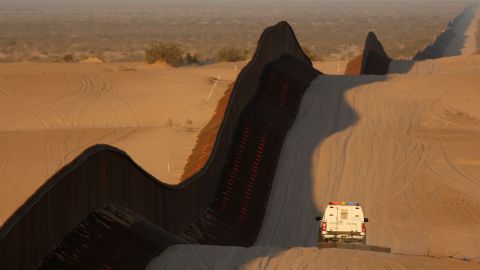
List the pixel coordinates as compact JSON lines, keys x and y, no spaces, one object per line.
{"x":231,"y":54}
{"x":164,"y":52}
{"x":191,"y":59}
{"x":478,"y":38}
{"x":68,"y":58}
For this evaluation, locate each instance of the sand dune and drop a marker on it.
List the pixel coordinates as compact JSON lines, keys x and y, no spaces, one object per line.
{"x":406,"y":146}
{"x":107,"y":175}
{"x":331,"y":67}
{"x":266,"y":258}
{"x":448,"y":65}
{"x":50,"y":113}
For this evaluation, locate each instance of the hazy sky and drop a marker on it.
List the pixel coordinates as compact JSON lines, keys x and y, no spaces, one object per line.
{"x":138,"y":4}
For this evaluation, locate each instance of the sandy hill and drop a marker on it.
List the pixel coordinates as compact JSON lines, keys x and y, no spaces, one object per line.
{"x":50,"y":113}
{"x":405,"y":145}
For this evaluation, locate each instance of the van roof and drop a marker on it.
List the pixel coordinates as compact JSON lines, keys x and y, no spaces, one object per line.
{"x":344,"y":203}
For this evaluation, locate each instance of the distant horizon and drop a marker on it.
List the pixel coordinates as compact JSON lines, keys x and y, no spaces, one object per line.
{"x":121,"y":30}
{"x":88,"y":5}
{"x":155,"y":2}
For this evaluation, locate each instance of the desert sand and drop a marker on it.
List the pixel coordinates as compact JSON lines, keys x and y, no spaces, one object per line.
{"x":270,"y":258}
{"x":55,"y":111}
{"x":50,"y":113}
{"x":331,"y":67}
{"x":405,"y":145}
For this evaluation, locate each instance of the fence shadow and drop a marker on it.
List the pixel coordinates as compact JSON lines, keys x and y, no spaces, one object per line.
{"x":290,"y":217}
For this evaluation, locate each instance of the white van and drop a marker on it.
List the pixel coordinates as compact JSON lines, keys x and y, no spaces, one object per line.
{"x":343,"y":221}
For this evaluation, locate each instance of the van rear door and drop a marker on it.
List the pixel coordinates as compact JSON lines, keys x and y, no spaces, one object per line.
{"x":356,"y":219}
{"x":331,"y":216}
{"x":349,"y":219}
{"x":343,"y":219}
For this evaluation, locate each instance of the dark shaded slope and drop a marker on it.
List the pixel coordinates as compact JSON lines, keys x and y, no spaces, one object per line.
{"x":274,"y":42}
{"x":206,"y":138}
{"x":236,"y":212}
{"x":374,"y":60}
{"x":110,"y":238}
{"x":238,"y":208}
{"x":106,"y":175}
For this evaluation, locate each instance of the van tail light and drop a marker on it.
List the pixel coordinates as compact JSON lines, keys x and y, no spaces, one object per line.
{"x":324,"y":226}
{"x":364,"y":229}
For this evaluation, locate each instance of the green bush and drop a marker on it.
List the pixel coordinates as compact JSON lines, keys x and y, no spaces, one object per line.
{"x":232,"y":54}
{"x":164,"y":52}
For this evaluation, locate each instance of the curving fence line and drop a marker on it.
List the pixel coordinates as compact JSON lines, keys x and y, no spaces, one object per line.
{"x":438,"y":47}
{"x":236,"y":212}
{"x":106,"y":175}
{"x":374,"y":60}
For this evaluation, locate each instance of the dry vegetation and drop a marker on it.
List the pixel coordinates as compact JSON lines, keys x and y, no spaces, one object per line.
{"x":478,"y":38}
{"x":122,"y":33}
